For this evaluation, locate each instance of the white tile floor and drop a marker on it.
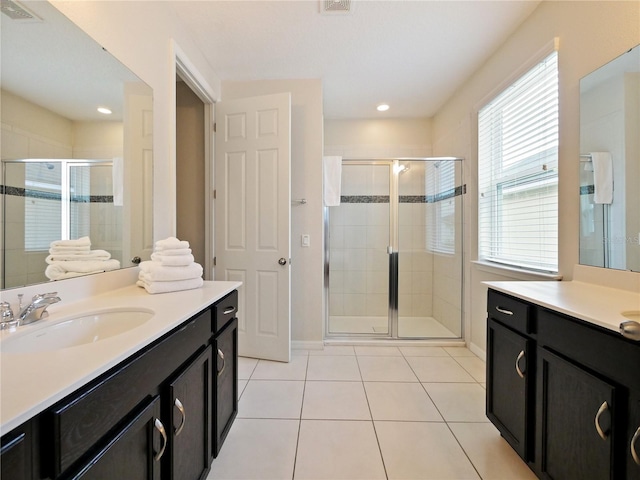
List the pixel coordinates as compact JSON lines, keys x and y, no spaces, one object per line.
{"x":366,"y":413}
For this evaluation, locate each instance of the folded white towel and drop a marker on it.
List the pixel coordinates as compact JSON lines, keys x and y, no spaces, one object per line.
{"x":171,"y":243}
{"x":174,"y":251}
{"x":602,"y":177}
{"x":166,"y":287}
{"x":80,"y":242}
{"x":155,"y":272}
{"x":59,"y":270}
{"x":332,"y":181}
{"x":80,"y":256}
{"x":70,"y":249}
{"x":172,"y":260}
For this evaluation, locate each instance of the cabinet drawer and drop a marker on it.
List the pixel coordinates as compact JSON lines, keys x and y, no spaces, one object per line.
{"x":603,"y":351}
{"x":510,"y":311}
{"x":80,"y":420}
{"x":225,"y":310}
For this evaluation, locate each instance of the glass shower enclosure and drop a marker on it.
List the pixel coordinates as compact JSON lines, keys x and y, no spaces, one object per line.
{"x":393,"y":250}
{"x":55,"y":199}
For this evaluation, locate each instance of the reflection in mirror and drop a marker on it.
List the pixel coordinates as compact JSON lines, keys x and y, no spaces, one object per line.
{"x":68,"y":171}
{"x":610,"y":164}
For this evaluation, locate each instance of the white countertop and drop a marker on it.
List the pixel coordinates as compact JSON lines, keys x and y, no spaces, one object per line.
{"x":32,"y":382}
{"x":596,"y":304}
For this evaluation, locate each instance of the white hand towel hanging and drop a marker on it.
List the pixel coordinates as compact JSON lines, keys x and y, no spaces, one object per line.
{"x":117,"y":173}
{"x":332,"y":181}
{"x":602,"y":177}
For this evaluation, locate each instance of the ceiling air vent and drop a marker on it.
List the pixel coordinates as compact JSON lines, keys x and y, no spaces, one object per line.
{"x":15,"y":11}
{"x":332,"y":7}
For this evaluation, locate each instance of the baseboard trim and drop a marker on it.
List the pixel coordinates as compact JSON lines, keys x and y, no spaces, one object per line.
{"x":478,"y":351}
{"x":307,"y":345}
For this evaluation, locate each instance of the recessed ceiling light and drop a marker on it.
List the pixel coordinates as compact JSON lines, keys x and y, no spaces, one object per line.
{"x":104,"y":110}
{"x":383,"y":107}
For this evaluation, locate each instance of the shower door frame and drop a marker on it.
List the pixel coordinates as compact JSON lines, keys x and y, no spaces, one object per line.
{"x":393,"y":248}
{"x":392,"y":251}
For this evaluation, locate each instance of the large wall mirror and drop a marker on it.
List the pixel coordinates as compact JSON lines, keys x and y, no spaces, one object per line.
{"x":69,"y":172}
{"x":610,"y":164}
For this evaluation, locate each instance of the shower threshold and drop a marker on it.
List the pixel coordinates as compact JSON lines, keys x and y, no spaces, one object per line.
{"x":408,"y":327}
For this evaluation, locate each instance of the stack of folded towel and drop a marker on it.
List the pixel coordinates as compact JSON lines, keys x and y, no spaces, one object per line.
{"x":172,"y":268}
{"x":72,"y":258}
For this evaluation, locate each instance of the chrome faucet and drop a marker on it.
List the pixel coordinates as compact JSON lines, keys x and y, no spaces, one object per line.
{"x":37,"y":309}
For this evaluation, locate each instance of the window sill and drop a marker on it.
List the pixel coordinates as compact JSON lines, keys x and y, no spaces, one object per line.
{"x":513,"y":272}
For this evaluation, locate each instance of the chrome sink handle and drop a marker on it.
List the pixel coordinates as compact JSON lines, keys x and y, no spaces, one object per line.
{"x":37,"y":309}
{"x":7,"y":316}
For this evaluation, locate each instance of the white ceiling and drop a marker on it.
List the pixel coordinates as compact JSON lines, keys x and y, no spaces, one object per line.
{"x":412,"y":55}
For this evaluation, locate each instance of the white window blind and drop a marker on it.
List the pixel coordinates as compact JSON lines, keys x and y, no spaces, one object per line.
{"x":43,"y":204}
{"x":518,"y":172}
{"x":440,"y":183}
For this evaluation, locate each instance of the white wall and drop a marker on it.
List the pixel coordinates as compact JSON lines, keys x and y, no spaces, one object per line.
{"x":307,"y":307}
{"x":590,"y":34}
{"x":378,"y":138}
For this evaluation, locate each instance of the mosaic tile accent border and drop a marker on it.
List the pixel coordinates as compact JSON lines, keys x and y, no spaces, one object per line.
{"x":454,"y":192}
{"x":587,"y":189}
{"x":25,"y":192}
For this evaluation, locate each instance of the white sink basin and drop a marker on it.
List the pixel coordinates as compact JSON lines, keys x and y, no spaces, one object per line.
{"x":79,"y":330}
{"x":632,"y":315}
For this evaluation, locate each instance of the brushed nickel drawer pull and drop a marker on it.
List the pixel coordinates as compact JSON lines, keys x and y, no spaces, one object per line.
{"x":603,"y":408}
{"x":229,"y":310}
{"x":158,"y":425}
{"x":180,"y":407}
{"x":520,"y":357}
{"x":634,"y":451}
{"x":502,"y":310}
{"x":224,"y":362}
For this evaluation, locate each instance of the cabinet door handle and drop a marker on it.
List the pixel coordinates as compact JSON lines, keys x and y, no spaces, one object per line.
{"x":634,"y":451}
{"x":502,"y":310}
{"x":520,"y":357}
{"x":224,"y":362}
{"x":603,"y":408}
{"x":158,"y":425}
{"x":229,"y":310}
{"x":180,"y":407}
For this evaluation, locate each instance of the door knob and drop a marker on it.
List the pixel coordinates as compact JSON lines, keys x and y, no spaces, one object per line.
{"x":136,"y":260}
{"x":282,"y":261}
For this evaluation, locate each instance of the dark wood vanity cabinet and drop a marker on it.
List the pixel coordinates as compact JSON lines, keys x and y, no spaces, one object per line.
{"x":574,"y":416}
{"x":161,"y":414}
{"x":508,"y":385}
{"x":15,"y":454}
{"x":577,"y":421}
{"x":510,"y":371}
{"x":131,"y":453}
{"x":225,"y":346}
{"x":190,"y":402}
{"x":632,"y":440}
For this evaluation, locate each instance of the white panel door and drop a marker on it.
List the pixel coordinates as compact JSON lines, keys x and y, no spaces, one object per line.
{"x":253,"y":218}
{"x":138,"y":176}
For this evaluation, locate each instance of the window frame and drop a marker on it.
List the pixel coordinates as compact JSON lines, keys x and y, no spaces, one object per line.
{"x":519,"y":176}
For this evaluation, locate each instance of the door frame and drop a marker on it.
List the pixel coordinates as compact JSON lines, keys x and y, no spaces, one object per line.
{"x":186,"y":70}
